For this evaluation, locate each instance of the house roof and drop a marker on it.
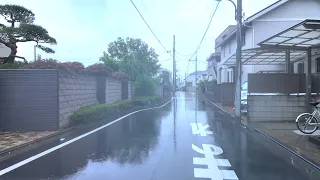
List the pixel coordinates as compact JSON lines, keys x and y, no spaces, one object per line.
{"x":198,"y":73}
{"x":213,"y":55}
{"x":265,"y":10}
{"x":225,"y":34}
{"x":250,"y":19}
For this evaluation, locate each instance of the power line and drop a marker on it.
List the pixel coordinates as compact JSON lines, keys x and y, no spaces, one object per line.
{"x":211,"y":18}
{"x":149,"y":27}
{"x":166,"y":60}
{"x":183,"y":54}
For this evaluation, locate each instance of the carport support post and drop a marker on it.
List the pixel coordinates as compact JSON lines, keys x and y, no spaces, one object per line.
{"x":308,"y":81}
{"x":288,"y":61}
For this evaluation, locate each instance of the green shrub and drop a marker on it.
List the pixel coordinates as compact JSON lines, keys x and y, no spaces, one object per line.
{"x":145,"y":100}
{"x":15,"y":65}
{"x":101,"y":111}
{"x":145,"y":86}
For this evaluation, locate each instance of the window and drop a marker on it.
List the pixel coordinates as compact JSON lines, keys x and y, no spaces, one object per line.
{"x":224,"y":51}
{"x":300,"y":68}
{"x":230,"y":48}
{"x":243,"y":39}
{"x":318,"y":64}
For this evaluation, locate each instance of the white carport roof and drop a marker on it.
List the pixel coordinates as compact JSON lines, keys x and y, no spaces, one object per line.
{"x":259,"y":56}
{"x":297,"y":39}
{"x":303,"y":35}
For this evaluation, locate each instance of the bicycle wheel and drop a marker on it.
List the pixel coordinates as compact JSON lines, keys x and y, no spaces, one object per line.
{"x":307,"y":124}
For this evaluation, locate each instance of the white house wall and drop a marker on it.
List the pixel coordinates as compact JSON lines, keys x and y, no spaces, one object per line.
{"x":285,"y":16}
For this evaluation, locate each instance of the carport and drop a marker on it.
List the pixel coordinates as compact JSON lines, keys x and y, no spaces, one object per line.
{"x":298,"y":43}
{"x":304,"y":36}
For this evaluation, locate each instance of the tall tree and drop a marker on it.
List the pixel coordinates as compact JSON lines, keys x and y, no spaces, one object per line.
{"x":19,"y":28}
{"x":133,"y":56}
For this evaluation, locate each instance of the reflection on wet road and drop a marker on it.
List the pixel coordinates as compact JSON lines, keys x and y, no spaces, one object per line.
{"x":186,"y":139}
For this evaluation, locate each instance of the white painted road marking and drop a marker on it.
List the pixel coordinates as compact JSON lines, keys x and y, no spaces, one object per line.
{"x":213,"y":172}
{"x":30,"y":159}
{"x":198,"y":128}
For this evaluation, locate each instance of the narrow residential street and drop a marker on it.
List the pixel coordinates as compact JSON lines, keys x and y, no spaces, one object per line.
{"x":186,"y":139}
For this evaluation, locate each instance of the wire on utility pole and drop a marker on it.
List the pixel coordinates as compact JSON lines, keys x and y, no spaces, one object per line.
{"x":205,"y":33}
{"x":150,"y":28}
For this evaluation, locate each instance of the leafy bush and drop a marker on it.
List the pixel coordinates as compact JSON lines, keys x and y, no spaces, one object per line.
{"x":99,"y":69}
{"x":71,"y":67}
{"x":145,"y":100}
{"x":120,"y":75}
{"x":15,"y":65}
{"x":145,"y":86}
{"x":98,"y":112}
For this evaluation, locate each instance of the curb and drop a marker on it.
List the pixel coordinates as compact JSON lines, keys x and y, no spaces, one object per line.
{"x":267,"y":136}
{"x":34,"y":141}
{"x":2,"y":153}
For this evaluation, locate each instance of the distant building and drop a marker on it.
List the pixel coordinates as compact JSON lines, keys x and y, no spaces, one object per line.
{"x":212,"y":69}
{"x":192,"y":82}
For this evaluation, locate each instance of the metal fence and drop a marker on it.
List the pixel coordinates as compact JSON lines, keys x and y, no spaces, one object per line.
{"x":221,"y":93}
{"x":276,"y":83}
{"x":315,"y":82}
{"x":29,"y":100}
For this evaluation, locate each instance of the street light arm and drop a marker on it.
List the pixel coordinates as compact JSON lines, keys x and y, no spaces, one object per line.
{"x":235,"y":7}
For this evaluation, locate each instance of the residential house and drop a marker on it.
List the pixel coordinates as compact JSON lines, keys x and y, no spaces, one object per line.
{"x":194,"y":78}
{"x":266,"y":23}
{"x":213,"y":59}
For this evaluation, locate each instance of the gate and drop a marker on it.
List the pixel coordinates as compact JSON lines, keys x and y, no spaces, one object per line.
{"x":124,"y":89}
{"x":101,"y":90}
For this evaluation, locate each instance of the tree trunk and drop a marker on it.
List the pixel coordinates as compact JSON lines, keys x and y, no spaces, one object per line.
{"x":13,"y":53}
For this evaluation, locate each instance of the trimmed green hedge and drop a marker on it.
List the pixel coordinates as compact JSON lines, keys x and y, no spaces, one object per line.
{"x":98,"y":112}
{"x":141,"y":101}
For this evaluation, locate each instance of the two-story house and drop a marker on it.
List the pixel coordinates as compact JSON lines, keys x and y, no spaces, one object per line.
{"x":266,"y":23}
{"x":194,"y":78}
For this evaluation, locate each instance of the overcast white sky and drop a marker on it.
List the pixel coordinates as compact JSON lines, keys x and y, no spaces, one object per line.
{"x":84,"y":28}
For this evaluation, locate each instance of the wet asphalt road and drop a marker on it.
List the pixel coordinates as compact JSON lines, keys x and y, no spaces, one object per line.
{"x":164,"y":144}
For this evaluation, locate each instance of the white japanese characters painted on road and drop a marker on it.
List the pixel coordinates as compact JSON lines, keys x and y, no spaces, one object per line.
{"x":198,"y":128}
{"x":212,"y":172}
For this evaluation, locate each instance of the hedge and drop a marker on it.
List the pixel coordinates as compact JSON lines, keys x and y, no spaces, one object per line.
{"x":98,"y":112}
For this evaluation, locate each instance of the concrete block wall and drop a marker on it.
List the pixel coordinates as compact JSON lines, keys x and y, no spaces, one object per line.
{"x":275,"y":108}
{"x":113,"y":90}
{"x":75,"y":91}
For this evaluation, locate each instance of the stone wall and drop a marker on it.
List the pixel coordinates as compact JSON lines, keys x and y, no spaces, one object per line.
{"x":75,"y":91}
{"x":275,"y":108}
{"x":113,"y":90}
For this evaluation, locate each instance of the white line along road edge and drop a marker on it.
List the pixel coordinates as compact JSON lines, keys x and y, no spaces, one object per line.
{"x":30,"y":159}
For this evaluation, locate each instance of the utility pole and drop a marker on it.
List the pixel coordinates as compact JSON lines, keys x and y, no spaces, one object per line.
{"x":238,"y":60}
{"x":174,"y":64}
{"x":196,"y":71}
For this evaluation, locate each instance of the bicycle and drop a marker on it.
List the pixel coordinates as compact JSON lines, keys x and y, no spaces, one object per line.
{"x":309,"y":120}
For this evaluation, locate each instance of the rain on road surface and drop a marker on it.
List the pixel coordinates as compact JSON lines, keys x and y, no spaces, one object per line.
{"x":173,"y":142}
